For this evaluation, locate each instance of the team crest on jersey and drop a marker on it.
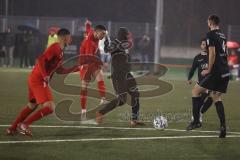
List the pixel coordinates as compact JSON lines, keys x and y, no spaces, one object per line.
{"x":125,"y":45}
{"x":204,"y":66}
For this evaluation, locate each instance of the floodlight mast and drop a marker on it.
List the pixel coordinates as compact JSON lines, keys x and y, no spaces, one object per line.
{"x":5,"y":25}
{"x":158,"y":33}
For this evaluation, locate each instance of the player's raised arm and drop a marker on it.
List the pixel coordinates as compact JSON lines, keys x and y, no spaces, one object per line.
{"x":192,"y":69}
{"x":88,"y":26}
{"x":62,"y":70}
{"x":212,"y":56}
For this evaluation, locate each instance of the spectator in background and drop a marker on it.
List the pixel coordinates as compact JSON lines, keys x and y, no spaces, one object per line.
{"x":144,"y":47}
{"x":24,"y":52}
{"x":32,"y":48}
{"x":2,"y":51}
{"x":9,"y":44}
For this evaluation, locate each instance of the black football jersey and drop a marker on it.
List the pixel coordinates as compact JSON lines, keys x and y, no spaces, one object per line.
{"x":200,"y":62}
{"x":120,"y":59}
{"x":218,"y":40}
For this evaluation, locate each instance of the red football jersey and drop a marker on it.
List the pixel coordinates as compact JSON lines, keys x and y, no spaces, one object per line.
{"x":48,"y":62}
{"x":89,"y":45}
{"x":89,"y":49}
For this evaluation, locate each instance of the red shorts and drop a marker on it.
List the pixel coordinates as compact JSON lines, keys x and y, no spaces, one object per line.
{"x":87,"y":71}
{"x":38,"y":92}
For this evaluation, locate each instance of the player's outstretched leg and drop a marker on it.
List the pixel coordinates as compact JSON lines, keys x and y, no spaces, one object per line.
{"x":83,"y":100}
{"x":196,"y":107}
{"x":25,"y":112}
{"x":105,"y":108}
{"x":206,"y":105}
{"x":46,"y":110}
{"x":204,"y":96}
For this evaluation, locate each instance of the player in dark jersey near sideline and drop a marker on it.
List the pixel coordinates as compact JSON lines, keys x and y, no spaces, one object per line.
{"x":39,"y":91}
{"x":200,"y":62}
{"x":123,"y":81}
{"x":216,"y":76}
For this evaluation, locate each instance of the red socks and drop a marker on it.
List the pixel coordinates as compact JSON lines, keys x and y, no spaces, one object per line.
{"x":83,"y":94}
{"x":101,"y":88}
{"x":83,"y":98}
{"x":21,"y":117}
{"x":38,"y":115}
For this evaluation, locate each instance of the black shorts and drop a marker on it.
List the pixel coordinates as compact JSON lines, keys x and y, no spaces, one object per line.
{"x":215,"y":82}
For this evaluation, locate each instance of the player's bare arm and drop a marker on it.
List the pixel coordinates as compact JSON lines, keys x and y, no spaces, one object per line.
{"x":212,"y":55}
{"x":62,"y":70}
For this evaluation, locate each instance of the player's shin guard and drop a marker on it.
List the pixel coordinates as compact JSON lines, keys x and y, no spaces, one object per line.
{"x":101,"y":88}
{"x":196,"y":104}
{"x":220,"y":112}
{"x":207,"y":104}
{"x":83,"y":98}
{"x":135,"y":110}
{"x":38,"y":115}
{"x":21,"y":117}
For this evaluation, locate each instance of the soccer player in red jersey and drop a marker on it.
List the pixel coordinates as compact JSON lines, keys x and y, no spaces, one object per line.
{"x":39,"y":91}
{"x":89,"y":50}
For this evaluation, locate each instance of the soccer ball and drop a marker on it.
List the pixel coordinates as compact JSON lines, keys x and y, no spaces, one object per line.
{"x":160,"y":122}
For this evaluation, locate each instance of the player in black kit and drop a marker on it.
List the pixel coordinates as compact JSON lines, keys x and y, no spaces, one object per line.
{"x":200,"y":62}
{"x":216,"y":76}
{"x":123,"y":81}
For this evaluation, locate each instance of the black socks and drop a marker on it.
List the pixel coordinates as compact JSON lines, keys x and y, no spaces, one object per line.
{"x":135,"y":110}
{"x":207,"y":104}
{"x":220,"y":112}
{"x":196,"y":104}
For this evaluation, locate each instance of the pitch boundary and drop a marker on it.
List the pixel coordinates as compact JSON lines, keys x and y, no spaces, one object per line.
{"x":120,"y":128}
{"x":111,"y":139}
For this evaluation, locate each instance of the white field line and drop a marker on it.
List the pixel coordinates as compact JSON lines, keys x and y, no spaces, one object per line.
{"x":120,"y":128}
{"x":111,"y":139}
